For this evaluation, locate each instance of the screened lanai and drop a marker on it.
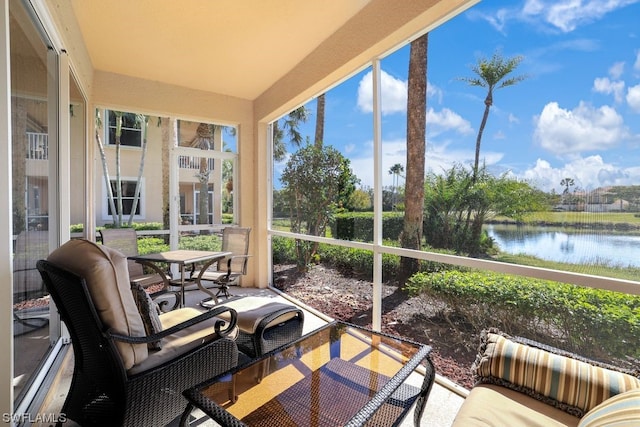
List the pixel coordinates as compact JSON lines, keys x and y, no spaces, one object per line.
{"x":231,"y":65}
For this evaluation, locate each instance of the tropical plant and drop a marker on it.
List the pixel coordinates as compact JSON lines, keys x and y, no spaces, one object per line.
{"x":411,"y":236}
{"x":454,"y":205}
{"x":396,"y":170}
{"x":315,"y":179}
{"x":492,"y":75}
{"x":290,"y":124}
{"x":204,"y":140}
{"x":115,"y":202}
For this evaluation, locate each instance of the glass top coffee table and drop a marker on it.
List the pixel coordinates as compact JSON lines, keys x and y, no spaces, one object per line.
{"x":338,"y":375}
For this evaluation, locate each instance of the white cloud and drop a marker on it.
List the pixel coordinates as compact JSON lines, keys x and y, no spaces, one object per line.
{"x":585,"y":128}
{"x":393,"y":92}
{"x":349,"y":148}
{"x":438,"y":157}
{"x":567,"y":15}
{"x":616,"y":70}
{"x":589,"y":173}
{"x":445,"y":119}
{"x":633,"y":98}
{"x":608,"y":87}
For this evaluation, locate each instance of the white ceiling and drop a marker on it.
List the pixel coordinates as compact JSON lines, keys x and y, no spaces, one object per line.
{"x":231,"y":47}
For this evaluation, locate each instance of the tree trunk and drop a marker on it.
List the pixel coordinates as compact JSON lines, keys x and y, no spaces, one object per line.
{"x":166,"y":149}
{"x":19,"y":163}
{"x":411,"y":236}
{"x":320,"y":120}
{"x":136,"y":196}
{"x":487,"y":105}
{"x":203,"y":202}
{"x":105,"y":172}
{"x":118,"y":169}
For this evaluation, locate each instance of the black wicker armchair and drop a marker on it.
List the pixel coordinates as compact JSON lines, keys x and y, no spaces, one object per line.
{"x":122,"y":374}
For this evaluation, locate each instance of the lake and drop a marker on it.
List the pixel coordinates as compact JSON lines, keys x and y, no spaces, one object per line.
{"x":575,"y":247}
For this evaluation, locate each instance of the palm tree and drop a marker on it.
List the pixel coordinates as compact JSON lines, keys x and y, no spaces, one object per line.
{"x":144,"y":122}
{"x":491,"y":74}
{"x":117,"y":210}
{"x":411,"y":236}
{"x":290,"y":124}
{"x":395,"y":170}
{"x":566,"y":182}
{"x":203,"y":140}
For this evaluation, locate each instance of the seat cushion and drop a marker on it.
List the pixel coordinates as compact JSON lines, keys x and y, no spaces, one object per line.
{"x":106,"y":274}
{"x":573,"y":385}
{"x":493,"y":405}
{"x":622,"y":410}
{"x":150,"y":313}
{"x":252,"y":310}
{"x":181,"y":342}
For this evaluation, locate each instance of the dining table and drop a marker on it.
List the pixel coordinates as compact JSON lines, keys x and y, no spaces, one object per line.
{"x":182,"y":258}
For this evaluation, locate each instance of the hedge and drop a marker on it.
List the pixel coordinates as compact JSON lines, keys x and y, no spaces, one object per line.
{"x":588,"y":321}
{"x":359,"y":226}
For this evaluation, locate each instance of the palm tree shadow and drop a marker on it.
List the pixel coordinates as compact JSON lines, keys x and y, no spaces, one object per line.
{"x":389,"y":303}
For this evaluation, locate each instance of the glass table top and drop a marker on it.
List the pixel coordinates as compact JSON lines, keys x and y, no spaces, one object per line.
{"x":338,"y":374}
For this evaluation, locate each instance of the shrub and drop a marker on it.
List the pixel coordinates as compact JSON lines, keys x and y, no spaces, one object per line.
{"x":149,"y":245}
{"x":588,"y":321}
{"x":359,"y":226}
{"x":283,"y":249}
{"x":204,"y":242}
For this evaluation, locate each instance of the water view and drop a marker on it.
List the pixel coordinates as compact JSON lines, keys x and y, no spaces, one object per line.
{"x":575,"y":247}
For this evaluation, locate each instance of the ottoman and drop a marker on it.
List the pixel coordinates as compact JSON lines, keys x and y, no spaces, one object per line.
{"x":265,"y":324}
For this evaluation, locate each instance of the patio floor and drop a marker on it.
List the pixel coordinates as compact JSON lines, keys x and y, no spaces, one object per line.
{"x":441,"y":408}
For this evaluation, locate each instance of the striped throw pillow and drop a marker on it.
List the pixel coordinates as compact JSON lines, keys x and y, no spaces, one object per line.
{"x":622,"y":410}
{"x":569,"y":384}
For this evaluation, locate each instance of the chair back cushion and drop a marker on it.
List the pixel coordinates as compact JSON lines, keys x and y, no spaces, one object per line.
{"x":107,"y":277}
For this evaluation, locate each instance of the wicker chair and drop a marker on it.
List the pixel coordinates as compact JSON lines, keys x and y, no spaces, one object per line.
{"x":228,"y":270}
{"x":117,"y":378}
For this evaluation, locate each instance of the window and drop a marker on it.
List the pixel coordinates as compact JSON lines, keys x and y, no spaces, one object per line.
{"x":131,"y":129}
{"x":128,"y":187}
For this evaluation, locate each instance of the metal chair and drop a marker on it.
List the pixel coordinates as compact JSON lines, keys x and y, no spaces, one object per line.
{"x":125,"y":240}
{"x":229,"y":270}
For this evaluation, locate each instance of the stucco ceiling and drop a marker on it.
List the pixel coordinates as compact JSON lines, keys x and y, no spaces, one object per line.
{"x":231,"y":47}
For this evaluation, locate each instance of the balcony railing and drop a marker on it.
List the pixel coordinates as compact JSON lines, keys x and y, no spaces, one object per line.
{"x":38,"y":146}
{"x":190,"y":162}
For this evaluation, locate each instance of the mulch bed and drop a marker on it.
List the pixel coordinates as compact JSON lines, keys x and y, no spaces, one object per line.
{"x":349,"y":298}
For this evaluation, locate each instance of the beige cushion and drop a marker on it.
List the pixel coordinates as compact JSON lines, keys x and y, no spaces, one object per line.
{"x":182,"y":341}
{"x":493,"y":405}
{"x":622,"y":410}
{"x":106,"y":273}
{"x":567,"y":383}
{"x":251,"y":310}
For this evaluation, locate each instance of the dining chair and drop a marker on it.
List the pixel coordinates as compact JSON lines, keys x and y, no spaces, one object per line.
{"x":227,"y":271}
{"x":125,"y":240}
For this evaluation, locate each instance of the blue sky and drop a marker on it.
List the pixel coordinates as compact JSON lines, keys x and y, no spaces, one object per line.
{"x":576,"y":115}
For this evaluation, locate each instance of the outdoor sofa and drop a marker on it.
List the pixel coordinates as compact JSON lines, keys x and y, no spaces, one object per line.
{"x":524,"y":383}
